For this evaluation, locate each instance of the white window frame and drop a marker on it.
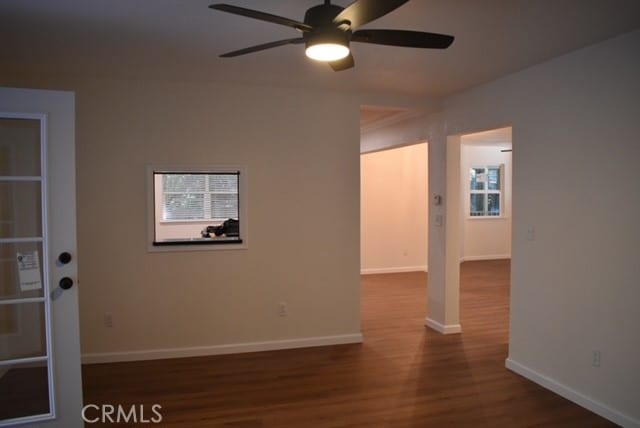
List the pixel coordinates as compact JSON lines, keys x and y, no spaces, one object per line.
{"x":195,"y":242}
{"x":486,"y":192}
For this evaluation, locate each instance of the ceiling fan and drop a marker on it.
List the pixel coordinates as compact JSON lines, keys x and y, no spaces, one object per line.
{"x":328,"y":29}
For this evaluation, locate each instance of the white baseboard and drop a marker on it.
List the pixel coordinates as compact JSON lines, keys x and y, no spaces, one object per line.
{"x":487,"y":257}
{"x":573,"y":395}
{"x":373,"y":271}
{"x":442,"y":328}
{"x":235,"y":348}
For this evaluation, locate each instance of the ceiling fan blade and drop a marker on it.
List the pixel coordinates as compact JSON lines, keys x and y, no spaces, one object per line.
{"x":262,"y":47}
{"x":343,"y":64}
{"x":409,"y":39}
{"x":262,"y":16}
{"x":362,"y":11}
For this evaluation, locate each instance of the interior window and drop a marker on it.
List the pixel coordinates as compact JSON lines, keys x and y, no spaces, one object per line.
{"x":196,"y":207}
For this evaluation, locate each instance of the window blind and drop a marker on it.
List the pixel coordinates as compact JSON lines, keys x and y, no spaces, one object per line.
{"x":199,"y":196}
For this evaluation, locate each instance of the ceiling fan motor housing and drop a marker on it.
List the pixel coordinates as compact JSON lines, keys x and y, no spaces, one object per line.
{"x":327,"y":35}
{"x":324,"y":29}
{"x":322,"y":15}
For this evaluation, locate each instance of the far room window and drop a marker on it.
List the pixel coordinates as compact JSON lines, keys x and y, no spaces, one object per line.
{"x":197,"y":207}
{"x":485,"y":191}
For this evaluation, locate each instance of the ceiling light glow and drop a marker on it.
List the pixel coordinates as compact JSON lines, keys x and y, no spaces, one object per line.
{"x":327,"y":52}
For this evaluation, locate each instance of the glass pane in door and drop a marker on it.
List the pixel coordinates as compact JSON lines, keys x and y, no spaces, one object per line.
{"x":25,"y":362}
{"x":20,"y":209}
{"x":24,"y":390}
{"x":22,"y":331}
{"x":16,"y":283}
{"x":19,"y":147}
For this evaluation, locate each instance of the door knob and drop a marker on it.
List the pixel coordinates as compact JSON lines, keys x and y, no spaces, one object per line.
{"x":66,"y":283}
{"x":64,"y":258}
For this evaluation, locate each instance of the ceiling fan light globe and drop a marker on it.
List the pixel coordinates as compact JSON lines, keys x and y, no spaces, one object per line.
{"x":327,"y":52}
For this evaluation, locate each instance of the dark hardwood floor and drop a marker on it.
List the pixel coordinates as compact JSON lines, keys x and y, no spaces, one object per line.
{"x":403,"y":375}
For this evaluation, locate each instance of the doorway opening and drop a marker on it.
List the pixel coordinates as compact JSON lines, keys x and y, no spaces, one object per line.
{"x":486,"y":192}
{"x":394,"y":219}
{"x":479,"y":222}
{"x":394,"y":210}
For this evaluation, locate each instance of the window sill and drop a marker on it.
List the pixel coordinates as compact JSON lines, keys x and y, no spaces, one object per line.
{"x":198,"y":244}
{"x":197,"y":241}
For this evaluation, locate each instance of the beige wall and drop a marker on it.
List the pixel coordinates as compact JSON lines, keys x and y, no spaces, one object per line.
{"x":393,"y":210}
{"x":485,"y":238}
{"x":301,"y":151}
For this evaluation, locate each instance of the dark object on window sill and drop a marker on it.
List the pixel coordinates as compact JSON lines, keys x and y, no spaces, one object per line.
{"x":230,"y":228}
{"x":207,"y":231}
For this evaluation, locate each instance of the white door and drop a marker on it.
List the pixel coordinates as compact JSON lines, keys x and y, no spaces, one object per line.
{"x":40,"y":379}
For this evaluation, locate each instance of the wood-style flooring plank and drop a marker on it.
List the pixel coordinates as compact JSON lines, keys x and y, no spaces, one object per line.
{"x":403,"y":375}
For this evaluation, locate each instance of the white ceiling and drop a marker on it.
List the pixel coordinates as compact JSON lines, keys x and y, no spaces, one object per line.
{"x":181,"y":39}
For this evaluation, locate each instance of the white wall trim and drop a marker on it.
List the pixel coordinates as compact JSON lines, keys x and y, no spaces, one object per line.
{"x":573,"y":395}
{"x":442,"y":328}
{"x":234,"y":348}
{"x":373,"y":271}
{"x":487,"y":257}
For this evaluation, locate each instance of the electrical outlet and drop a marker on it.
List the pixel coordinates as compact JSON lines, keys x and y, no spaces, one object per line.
{"x":282,"y":309}
{"x":596,"y":359}
{"x":531,"y":233}
{"x":108,"y":319}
